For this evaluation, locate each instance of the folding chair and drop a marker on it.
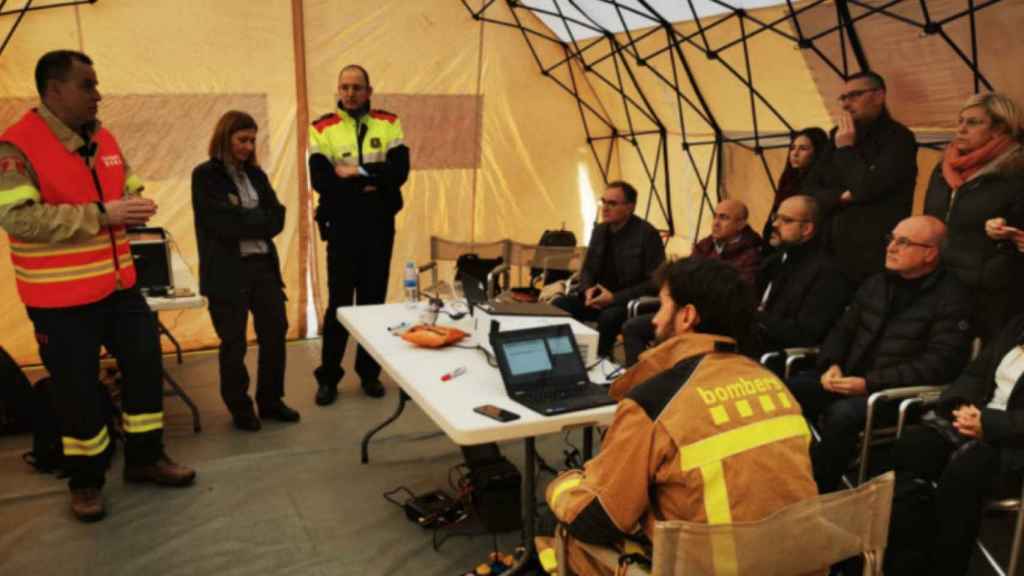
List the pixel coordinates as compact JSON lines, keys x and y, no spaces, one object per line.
{"x":803,"y":538}
{"x":442,"y":250}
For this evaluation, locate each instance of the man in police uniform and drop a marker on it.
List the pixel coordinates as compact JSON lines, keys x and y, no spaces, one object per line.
{"x":701,"y":433}
{"x":66,"y":196}
{"x":358,"y":163}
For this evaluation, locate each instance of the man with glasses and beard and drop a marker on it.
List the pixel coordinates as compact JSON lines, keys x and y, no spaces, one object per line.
{"x":865,"y":181}
{"x":624,"y":252}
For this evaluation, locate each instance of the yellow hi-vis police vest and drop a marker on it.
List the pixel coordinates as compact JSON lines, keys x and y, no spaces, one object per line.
{"x":337,"y":136}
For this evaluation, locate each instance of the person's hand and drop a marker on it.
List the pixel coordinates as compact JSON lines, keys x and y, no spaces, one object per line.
{"x":833,"y":373}
{"x":846,"y":134}
{"x":130,"y":211}
{"x":846,"y":197}
{"x":850,"y":386}
{"x":997,"y":229}
{"x":599,"y":297}
{"x":968,"y":421}
{"x":1018,"y":238}
{"x":346,"y":171}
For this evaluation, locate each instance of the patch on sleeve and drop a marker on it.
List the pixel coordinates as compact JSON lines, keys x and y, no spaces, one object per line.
{"x":13,"y":164}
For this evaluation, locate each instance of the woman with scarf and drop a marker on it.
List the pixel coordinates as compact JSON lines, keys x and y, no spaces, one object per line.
{"x":978,"y":189}
{"x":804,"y":152}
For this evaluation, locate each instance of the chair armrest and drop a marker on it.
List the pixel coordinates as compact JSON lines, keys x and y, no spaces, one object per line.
{"x":642,"y":305}
{"x":492,"y":276}
{"x":908,"y":392}
{"x":795,"y":354}
{"x":432,"y":268}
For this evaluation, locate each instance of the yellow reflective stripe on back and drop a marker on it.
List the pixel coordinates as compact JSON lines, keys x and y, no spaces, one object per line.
{"x":717,"y":509}
{"x":19,"y":194}
{"x":91,"y":447}
{"x":141,"y":423}
{"x":721,"y":446}
{"x":564,"y":486}
{"x":548,"y":560}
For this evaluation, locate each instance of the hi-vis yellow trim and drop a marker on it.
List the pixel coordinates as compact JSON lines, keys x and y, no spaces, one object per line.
{"x":719,"y":415}
{"x":548,"y":560}
{"x":142,"y":423}
{"x":784,"y":399}
{"x":743,"y":407}
{"x":721,"y":446}
{"x":133,"y":184}
{"x":766,"y":403}
{"x":91,"y":447}
{"x":65,"y":274}
{"x":19,"y":194}
{"x":101,"y":240}
{"x":564,"y":486}
{"x":716,"y":508}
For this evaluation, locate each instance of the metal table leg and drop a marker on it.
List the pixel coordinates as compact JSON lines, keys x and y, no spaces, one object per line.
{"x":177,"y":391}
{"x":163,"y":330}
{"x":402,"y":399}
{"x":529,"y":509}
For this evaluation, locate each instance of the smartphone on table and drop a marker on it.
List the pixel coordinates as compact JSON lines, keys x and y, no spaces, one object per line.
{"x":495,"y":413}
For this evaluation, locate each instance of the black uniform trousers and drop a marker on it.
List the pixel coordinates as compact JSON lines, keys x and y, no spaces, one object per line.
{"x":69,"y":344}
{"x":358,"y":264}
{"x":933,"y":529}
{"x":839,"y":419}
{"x":261,"y":294}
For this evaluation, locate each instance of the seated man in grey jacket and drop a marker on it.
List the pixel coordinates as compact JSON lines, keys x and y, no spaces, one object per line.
{"x":624,"y":252}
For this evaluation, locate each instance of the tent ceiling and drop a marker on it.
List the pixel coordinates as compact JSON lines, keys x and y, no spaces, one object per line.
{"x":582,"y":19}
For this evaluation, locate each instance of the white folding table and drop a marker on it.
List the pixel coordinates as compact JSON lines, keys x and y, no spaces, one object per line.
{"x":450,"y":404}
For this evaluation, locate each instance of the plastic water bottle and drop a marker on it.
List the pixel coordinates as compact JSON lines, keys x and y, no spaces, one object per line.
{"x":411,"y":284}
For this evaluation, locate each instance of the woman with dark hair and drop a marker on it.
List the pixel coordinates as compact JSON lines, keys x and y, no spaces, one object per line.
{"x":237,"y":215}
{"x":972,"y":448}
{"x":978,"y":189}
{"x":804,"y":151}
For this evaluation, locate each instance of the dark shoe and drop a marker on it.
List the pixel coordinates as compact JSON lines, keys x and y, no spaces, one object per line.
{"x":246,"y":421}
{"x":326,"y":394}
{"x":87,"y":504}
{"x":373,"y":388}
{"x":164,"y":472}
{"x":281,"y":412}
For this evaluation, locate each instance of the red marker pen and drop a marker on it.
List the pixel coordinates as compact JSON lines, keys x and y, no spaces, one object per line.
{"x":453,"y":374}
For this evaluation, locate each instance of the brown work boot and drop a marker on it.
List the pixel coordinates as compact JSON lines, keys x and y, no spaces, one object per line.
{"x":87,"y":504}
{"x":164,"y":471}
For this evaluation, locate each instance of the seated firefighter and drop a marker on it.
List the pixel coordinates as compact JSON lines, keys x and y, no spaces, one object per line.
{"x":732,"y":241}
{"x":905,"y":327}
{"x":624,"y":252}
{"x":800,"y":289}
{"x":701,"y":433}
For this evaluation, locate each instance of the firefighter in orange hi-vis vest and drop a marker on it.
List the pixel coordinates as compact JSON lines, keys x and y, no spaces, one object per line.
{"x":66,"y":197}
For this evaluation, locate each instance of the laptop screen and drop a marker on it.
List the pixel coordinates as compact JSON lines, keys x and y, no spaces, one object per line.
{"x":544,"y":356}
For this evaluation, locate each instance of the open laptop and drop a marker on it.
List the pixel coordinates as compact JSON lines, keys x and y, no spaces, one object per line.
{"x":542,"y":369}
{"x":476,"y":294}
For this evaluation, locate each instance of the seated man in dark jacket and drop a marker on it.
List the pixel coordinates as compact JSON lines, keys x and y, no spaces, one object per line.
{"x":732,"y":241}
{"x":907,"y":326}
{"x":624,"y":252}
{"x":800,"y":289}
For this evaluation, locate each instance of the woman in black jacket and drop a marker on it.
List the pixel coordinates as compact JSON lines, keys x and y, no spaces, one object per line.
{"x":978,"y":190}
{"x":805,"y":149}
{"x":974,"y":449}
{"x":237,"y":215}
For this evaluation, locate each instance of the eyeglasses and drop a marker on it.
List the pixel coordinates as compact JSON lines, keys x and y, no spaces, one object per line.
{"x":784,"y":220}
{"x":902,"y":242}
{"x":612,"y":203}
{"x":854,"y":94}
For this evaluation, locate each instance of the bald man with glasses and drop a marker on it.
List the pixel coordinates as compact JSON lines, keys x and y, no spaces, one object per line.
{"x":908,"y":326}
{"x":864,"y":182}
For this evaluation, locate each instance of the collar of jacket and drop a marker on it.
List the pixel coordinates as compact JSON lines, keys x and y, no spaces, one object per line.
{"x":746,"y":239}
{"x":666,"y":355}
{"x":347,"y":116}
{"x":877,"y":126}
{"x":70,"y":139}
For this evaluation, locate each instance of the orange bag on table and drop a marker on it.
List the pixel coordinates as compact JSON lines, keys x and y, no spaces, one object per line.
{"x":427,"y":336}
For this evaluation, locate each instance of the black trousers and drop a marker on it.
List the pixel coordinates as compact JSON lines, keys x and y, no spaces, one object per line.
{"x":357,"y":266}
{"x":609,"y":320}
{"x":933,"y":529}
{"x":262,"y":295}
{"x":637,"y":335}
{"x":69,"y":344}
{"x":841,"y":420}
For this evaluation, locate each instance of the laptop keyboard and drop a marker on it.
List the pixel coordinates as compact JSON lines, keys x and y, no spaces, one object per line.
{"x":554,"y":394}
